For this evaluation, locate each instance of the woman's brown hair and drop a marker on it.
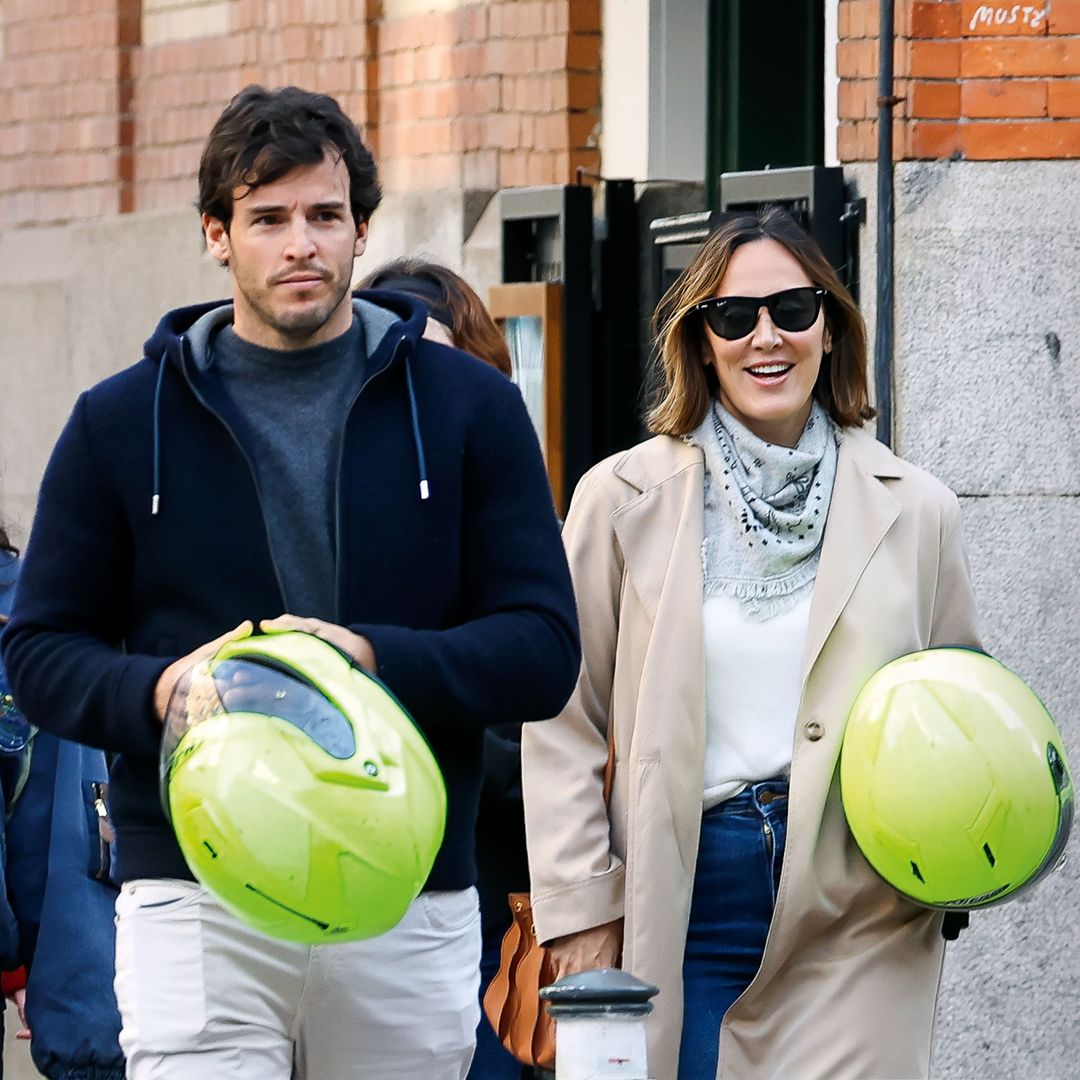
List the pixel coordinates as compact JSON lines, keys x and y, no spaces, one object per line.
{"x":451,"y":301}
{"x":687,"y":385}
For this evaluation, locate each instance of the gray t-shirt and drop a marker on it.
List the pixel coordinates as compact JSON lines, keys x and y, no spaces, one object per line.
{"x":292,"y":409}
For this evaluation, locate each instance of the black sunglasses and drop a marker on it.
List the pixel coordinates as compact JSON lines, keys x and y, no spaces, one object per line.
{"x":734,"y":317}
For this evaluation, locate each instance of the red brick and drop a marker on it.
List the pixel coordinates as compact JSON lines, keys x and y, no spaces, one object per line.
{"x":1007,"y":141}
{"x":584,"y":15}
{"x":1063,"y":97}
{"x":863,"y":18}
{"x":521,"y":18}
{"x":856,"y":59}
{"x":551,"y":54}
{"x":933,"y":140}
{"x":511,"y":57}
{"x":934,"y":100}
{"x":843,"y":19}
{"x":583,"y":52}
{"x":1064,"y":16}
{"x":934,"y":20}
{"x":1005,"y":19}
{"x":584,"y":129}
{"x":471,"y":23}
{"x":583,"y":90}
{"x":502,"y":131}
{"x":933,"y":60}
{"x":477,"y":96}
{"x":470,"y":61}
{"x":1031,"y":58}
{"x":1000,"y":99}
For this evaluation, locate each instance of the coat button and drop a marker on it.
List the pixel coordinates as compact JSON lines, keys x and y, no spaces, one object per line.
{"x":813,"y":730}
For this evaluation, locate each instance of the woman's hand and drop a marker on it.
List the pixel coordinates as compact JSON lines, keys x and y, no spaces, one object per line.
{"x":597,"y":947}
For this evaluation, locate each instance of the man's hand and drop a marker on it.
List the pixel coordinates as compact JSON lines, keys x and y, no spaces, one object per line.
{"x":170,"y":676}
{"x":597,"y":947}
{"x":359,"y":648}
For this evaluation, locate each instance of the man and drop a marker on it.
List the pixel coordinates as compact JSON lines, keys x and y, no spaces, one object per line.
{"x":293,"y":459}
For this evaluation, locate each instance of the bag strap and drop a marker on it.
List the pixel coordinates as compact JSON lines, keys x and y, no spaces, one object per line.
{"x":609,"y":766}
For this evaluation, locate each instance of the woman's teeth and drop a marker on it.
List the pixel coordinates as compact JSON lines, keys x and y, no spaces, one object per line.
{"x":770,"y":369}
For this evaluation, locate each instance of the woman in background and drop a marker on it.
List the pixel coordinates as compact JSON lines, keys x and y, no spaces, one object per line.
{"x":457,"y":317}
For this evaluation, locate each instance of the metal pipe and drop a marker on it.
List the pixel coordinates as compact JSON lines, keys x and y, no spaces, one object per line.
{"x":883,"y":329}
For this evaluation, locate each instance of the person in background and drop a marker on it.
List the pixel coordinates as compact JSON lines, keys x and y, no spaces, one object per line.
{"x":457,"y":316}
{"x":56,"y":913}
{"x":739,"y":578}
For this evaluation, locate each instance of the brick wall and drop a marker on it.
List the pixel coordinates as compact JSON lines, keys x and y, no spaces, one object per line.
{"x":105,"y":104}
{"x":995,"y":81}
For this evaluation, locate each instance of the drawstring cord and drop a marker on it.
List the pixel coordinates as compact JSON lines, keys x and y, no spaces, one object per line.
{"x":424,"y":490}
{"x":155,"y":500}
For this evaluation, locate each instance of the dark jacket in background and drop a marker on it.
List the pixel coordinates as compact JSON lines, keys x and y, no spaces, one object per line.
{"x":58,"y":918}
{"x":465,"y":596}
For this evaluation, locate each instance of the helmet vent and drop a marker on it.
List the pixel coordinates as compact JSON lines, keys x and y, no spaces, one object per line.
{"x":989,"y":854}
{"x":292,"y":911}
{"x":917,"y":872}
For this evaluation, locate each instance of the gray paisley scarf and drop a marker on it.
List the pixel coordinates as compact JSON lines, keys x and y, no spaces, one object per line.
{"x":765,"y":510}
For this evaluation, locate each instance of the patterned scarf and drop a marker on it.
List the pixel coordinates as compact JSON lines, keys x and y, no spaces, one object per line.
{"x":765,"y":510}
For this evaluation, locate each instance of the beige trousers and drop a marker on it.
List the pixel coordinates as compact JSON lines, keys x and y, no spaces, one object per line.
{"x":203,"y":997}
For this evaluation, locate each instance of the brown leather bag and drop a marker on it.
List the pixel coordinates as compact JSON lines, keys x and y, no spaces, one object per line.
{"x":512,"y":1000}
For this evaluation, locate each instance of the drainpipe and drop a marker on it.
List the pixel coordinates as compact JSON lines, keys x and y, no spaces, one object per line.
{"x":883,"y":336}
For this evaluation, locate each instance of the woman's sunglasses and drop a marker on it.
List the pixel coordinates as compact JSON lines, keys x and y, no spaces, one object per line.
{"x":734,"y":317}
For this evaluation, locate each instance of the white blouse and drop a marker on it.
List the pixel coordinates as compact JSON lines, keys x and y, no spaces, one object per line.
{"x":753,"y":681}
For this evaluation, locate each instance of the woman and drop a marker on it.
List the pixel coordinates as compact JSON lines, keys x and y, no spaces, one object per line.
{"x":724,"y":641}
{"x":458,"y":318}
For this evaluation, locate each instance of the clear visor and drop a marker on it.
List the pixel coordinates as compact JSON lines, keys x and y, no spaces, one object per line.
{"x":214,"y":688}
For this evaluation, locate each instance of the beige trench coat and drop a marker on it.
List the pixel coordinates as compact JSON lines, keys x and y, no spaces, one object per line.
{"x":849,"y":978}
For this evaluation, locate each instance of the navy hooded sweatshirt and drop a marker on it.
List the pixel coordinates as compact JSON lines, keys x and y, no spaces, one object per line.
{"x":149,"y":540}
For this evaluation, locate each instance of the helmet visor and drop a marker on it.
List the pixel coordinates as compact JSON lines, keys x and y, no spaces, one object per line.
{"x":214,"y":688}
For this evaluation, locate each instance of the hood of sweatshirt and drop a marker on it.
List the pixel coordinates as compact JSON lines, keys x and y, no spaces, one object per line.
{"x":393,"y":325}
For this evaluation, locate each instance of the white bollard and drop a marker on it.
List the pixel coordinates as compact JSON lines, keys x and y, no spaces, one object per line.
{"x":600,"y":1025}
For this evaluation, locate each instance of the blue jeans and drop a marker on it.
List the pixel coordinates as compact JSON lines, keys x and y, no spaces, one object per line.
{"x":735,"y":882}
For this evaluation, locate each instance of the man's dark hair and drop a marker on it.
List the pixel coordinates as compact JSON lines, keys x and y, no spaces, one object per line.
{"x":264,"y":134}
{"x":5,"y":543}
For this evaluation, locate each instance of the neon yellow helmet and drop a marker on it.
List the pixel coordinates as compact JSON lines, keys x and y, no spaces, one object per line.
{"x":301,"y":792}
{"x":954,"y":779}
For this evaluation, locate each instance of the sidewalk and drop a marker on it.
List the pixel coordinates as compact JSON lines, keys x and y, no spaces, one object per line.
{"x":17,"y":1063}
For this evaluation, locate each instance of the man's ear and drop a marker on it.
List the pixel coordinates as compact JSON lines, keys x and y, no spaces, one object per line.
{"x":217,"y":238}
{"x":361,"y":239}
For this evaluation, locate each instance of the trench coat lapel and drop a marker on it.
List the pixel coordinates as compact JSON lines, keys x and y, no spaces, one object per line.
{"x":660,"y":530}
{"x":861,"y":513}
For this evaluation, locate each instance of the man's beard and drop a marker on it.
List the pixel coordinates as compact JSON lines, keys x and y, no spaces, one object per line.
{"x":298,"y":325}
